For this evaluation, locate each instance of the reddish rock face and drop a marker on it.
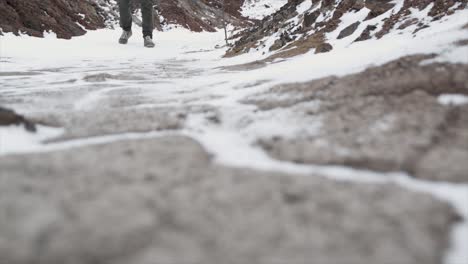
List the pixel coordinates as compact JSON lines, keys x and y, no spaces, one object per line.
{"x":63,"y":17}
{"x":67,"y":18}
{"x":231,"y":7}
{"x":201,"y":15}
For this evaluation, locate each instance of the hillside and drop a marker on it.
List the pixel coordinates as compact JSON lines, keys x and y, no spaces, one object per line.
{"x":303,"y":25}
{"x":69,"y":18}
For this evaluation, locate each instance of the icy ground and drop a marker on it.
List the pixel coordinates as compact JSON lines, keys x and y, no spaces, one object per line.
{"x":185,"y":76}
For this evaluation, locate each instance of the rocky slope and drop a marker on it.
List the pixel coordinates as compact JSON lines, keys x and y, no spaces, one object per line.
{"x":203,"y":15}
{"x":72,"y":18}
{"x":65,"y":18}
{"x":302,"y":25}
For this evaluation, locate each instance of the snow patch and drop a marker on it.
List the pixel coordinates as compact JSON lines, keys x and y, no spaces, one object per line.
{"x":258,"y":9}
{"x":452,"y":99}
{"x":15,"y":139}
{"x":303,"y":7}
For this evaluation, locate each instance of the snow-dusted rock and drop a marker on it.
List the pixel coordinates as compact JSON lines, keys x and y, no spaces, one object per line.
{"x":385,"y":118}
{"x":337,"y":22}
{"x":163,"y":199}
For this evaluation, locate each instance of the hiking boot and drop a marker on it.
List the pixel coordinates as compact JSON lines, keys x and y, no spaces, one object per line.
{"x":125,"y":36}
{"x":149,"y":42}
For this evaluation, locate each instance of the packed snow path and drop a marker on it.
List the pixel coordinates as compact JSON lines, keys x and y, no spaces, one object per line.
{"x":123,"y":173}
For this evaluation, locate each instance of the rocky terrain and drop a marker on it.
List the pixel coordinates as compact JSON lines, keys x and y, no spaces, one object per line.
{"x":125,"y":155}
{"x":63,"y":17}
{"x":203,"y":15}
{"x":386,"y":118}
{"x":304,"y":25}
{"x":72,"y":18}
{"x":124,"y":202}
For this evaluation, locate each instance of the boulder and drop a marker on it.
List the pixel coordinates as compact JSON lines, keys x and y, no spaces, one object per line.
{"x":349,"y":30}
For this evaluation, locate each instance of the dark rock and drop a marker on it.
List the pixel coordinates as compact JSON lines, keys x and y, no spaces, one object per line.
{"x":310,"y":18}
{"x":349,"y":30}
{"x":9,"y":117}
{"x":463,"y":42}
{"x":281,"y":42}
{"x":366,"y":34}
{"x":358,"y":5}
{"x":378,"y":7}
{"x":60,"y":16}
{"x":324,"y":47}
{"x":327,"y":5}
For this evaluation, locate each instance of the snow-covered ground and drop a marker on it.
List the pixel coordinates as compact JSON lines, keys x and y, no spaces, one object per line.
{"x":51,"y":65}
{"x":258,"y":9}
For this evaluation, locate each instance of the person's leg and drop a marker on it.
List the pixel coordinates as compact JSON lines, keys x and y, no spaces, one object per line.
{"x":125,"y":15}
{"x":148,"y":20}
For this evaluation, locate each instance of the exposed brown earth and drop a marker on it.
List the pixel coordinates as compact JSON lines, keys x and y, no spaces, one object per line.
{"x":163,"y":199}
{"x":385,"y":118}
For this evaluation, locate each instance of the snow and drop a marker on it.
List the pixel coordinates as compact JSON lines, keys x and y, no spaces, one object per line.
{"x":242,"y":154}
{"x":304,"y":6}
{"x":15,"y":139}
{"x":257,"y":9}
{"x":453,"y":99}
{"x":98,"y":52}
{"x":351,"y":57}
